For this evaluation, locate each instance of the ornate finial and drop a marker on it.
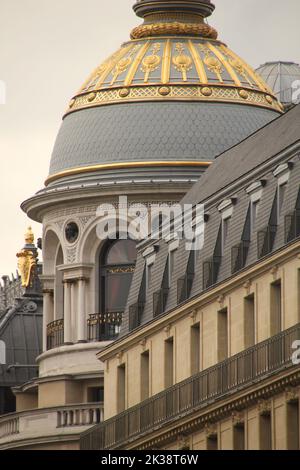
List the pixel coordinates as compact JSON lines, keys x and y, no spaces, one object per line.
{"x":203,"y":8}
{"x":29,"y":236}
{"x":174,"y":17}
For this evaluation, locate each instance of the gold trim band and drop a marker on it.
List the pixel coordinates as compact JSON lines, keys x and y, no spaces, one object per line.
{"x":113,"y":166}
{"x":174,"y":92}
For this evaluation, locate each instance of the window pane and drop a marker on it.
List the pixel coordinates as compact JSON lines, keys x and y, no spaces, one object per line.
{"x":122,"y":252}
{"x":117,"y":290}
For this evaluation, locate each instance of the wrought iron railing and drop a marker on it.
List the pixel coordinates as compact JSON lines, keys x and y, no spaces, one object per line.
{"x":184,"y":287}
{"x":265,"y":240}
{"x":292,"y":226}
{"x":235,"y":373}
{"x":239,"y":255}
{"x":160,"y":299}
{"x":135,"y":315}
{"x":210,"y":271}
{"x":55,"y":334}
{"x":104,"y":326}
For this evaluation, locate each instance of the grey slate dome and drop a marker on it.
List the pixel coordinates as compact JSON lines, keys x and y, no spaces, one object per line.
{"x":281,"y":76}
{"x":166,"y":103}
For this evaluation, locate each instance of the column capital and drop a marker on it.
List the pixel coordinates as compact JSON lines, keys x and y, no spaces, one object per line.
{"x":48,"y":291}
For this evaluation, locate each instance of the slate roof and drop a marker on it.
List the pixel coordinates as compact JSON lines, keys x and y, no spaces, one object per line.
{"x":252,"y":160}
{"x":138,"y":132}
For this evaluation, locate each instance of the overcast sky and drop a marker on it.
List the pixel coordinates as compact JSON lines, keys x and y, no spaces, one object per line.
{"x":47,"y":50}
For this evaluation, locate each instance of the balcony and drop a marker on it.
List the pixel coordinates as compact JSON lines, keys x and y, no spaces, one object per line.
{"x":160,"y":299}
{"x":185,"y":398}
{"x":292,"y":226}
{"x":239,"y":255}
{"x":135,"y":315}
{"x":104,"y":326}
{"x":265,"y":240}
{"x":210,"y":271}
{"x":35,"y":425}
{"x":55,"y":334}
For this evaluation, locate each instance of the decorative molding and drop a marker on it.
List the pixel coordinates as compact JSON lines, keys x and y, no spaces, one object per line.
{"x":122,"y":165}
{"x":174,"y":29}
{"x":283,"y":168}
{"x":167,"y":330}
{"x":172,"y":92}
{"x":274,"y":272}
{"x":264,"y":407}
{"x":256,"y":186}
{"x":247,"y":286}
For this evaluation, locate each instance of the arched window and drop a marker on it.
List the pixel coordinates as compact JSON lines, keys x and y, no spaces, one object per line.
{"x":117,"y":266}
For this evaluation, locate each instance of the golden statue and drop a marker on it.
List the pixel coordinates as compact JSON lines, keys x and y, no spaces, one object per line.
{"x":27,"y":259}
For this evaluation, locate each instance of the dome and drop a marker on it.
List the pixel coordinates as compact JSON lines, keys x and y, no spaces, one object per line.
{"x":167,"y":102}
{"x":280,"y":77}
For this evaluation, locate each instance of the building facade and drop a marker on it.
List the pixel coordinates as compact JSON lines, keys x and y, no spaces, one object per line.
{"x":212,"y":359}
{"x":147,"y":124}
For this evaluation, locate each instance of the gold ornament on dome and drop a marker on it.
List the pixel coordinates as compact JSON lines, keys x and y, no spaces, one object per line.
{"x":269,"y":99}
{"x":27,"y":260}
{"x":124,"y":92}
{"x":91,"y":97}
{"x":151,"y":62}
{"x":174,"y":29}
{"x":206,"y":91}
{"x":212,"y":63}
{"x":244,"y":94}
{"x":123,"y":64}
{"x":164,"y":90}
{"x":183,"y":63}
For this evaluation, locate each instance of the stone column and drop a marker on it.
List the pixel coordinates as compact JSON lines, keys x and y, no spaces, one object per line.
{"x":48,"y":313}
{"x":73,"y":321}
{"x":67,"y":313}
{"x":81,"y":311}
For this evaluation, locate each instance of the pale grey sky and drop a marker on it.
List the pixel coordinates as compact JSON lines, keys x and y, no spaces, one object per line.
{"x":47,"y":50}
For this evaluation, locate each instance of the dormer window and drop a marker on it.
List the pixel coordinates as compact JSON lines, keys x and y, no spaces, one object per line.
{"x":149,"y":256}
{"x":255,"y":191}
{"x":254,"y":212}
{"x":282,"y":173}
{"x":225,"y":228}
{"x":173,"y":246}
{"x":281,"y":196}
{"x":226,"y":210}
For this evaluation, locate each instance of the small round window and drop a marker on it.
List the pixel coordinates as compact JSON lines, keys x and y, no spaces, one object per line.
{"x":72,"y":232}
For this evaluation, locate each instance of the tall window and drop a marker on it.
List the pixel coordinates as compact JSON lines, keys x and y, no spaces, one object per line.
{"x":225,"y":228}
{"x":249,"y":321}
{"x":222,"y":334}
{"x":117,"y":267}
{"x":275,"y":306}
{"x":254,"y":213}
{"x":281,"y":195}
{"x":169,"y":363}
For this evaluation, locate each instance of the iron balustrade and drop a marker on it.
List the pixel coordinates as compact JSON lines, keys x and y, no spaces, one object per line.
{"x":210,"y":271}
{"x":55,"y":334}
{"x":292,"y":226}
{"x":184,"y":287}
{"x":160,"y":299}
{"x":239,"y":255}
{"x":182,"y":399}
{"x":135,"y":315}
{"x":265,"y":240}
{"x":104,"y":326}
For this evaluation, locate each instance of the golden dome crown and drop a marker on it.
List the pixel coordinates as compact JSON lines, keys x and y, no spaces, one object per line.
{"x":174,"y":55}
